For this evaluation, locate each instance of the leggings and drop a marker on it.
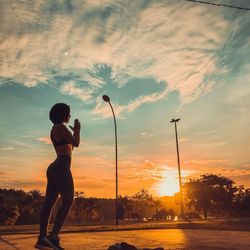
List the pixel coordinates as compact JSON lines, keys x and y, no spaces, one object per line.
{"x":59,"y":181}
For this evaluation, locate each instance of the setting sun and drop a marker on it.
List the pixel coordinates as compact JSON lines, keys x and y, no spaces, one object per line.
{"x":169,"y":186}
{"x":170,"y":182}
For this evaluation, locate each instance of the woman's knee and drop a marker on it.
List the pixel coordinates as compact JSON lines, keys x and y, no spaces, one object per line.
{"x":68,"y":201}
{"x":48,"y":204}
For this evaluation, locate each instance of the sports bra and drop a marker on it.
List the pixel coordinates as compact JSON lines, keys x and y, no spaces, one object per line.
{"x":57,"y":143}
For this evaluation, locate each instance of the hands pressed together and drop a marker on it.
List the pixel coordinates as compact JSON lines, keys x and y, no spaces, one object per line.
{"x":77,"y":126}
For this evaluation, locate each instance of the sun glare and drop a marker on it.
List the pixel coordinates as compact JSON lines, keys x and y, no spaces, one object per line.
{"x":170,"y":182}
{"x":169,"y":186}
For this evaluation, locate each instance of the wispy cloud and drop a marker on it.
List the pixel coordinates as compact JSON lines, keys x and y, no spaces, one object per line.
{"x":212,"y":131}
{"x":146,"y":135}
{"x":246,"y":165}
{"x":102,"y":109}
{"x":46,"y":140}
{"x":239,"y":175}
{"x":4,"y":173}
{"x":207,"y":161}
{"x":127,"y":37}
{"x":25,"y":185}
{"x":214,"y":144}
{"x":7,"y":148}
{"x":183,"y":139}
{"x":84,"y":94}
{"x":212,"y":138}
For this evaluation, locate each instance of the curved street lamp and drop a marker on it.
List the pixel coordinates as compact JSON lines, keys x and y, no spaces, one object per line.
{"x":179,"y":167}
{"x":107,"y":99}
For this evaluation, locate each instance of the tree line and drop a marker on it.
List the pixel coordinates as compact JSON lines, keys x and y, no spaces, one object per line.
{"x":211,"y":195}
{"x":217,"y":195}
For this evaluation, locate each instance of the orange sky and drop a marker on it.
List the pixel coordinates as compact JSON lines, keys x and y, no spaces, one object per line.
{"x":190,"y":61}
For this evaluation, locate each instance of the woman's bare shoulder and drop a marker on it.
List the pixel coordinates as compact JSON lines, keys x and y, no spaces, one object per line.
{"x":60,"y":128}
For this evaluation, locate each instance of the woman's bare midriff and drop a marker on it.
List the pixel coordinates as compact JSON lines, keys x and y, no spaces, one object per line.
{"x":64,"y":150}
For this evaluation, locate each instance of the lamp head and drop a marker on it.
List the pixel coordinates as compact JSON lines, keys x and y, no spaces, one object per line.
{"x":175,"y":120}
{"x":105,"y":98}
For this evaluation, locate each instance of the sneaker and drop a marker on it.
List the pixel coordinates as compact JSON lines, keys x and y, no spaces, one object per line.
{"x":53,"y":242}
{"x":41,"y":244}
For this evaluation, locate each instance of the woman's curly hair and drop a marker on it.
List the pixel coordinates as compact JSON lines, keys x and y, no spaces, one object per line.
{"x":59,"y":113}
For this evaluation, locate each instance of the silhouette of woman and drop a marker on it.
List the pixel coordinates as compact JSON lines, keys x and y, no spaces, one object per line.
{"x":59,"y":177}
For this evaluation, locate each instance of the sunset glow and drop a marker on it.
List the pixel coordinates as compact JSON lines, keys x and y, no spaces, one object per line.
{"x":169,"y":187}
{"x":170,"y":181}
{"x":179,"y":63}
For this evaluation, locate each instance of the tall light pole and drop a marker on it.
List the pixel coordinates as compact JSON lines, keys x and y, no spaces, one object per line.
{"x":179,"y":167}
{"x":107,"y":99}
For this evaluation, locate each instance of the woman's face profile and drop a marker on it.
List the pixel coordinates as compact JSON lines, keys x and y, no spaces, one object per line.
{"x":67,"y":119}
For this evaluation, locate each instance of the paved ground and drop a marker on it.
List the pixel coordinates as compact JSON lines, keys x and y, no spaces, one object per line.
{"x":167,"y":238}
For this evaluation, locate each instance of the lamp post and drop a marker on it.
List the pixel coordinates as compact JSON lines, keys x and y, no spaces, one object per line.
{"x":179,"y":167}
{"x":107,"y":99}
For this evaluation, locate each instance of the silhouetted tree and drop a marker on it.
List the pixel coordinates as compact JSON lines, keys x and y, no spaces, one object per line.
{"x":12,"y":216}
{"x":127,"y":207}
{"x":120,"y":211}
{"x":35,"y":195}
{"x":92,"y":208}
{"x":161,"y":214}
{"x":211,"y":192}
{"x":243,"y":202}
{"x":3,"y":209}
{"x":135,"y":216}
{"x":171,"y":212}
{"x":157,"y":205}
{"x":142,"y":201}
{"x":15,"y":203}
{"x":78,"y":205}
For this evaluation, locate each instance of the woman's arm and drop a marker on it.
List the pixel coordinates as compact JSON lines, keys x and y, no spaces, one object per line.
{"x":66,"y":135}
